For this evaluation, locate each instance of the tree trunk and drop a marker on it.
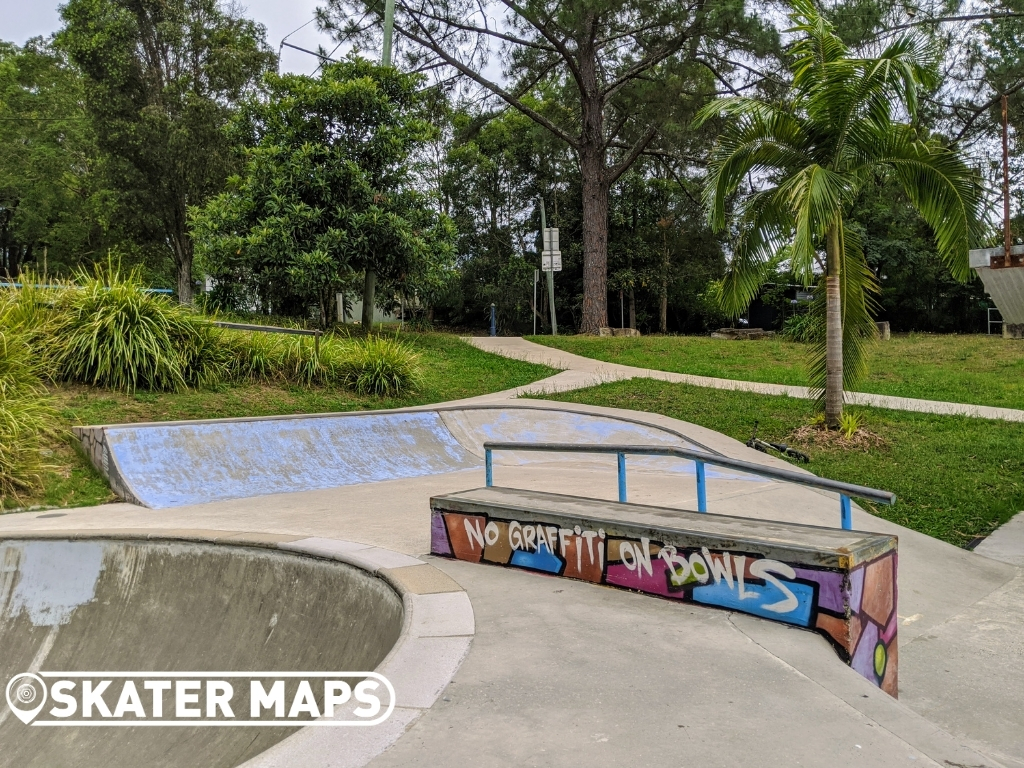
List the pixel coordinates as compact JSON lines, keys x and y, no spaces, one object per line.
{"x":181,"y":244}
{"x":595,"y":241}
{"x":632,"y":309}
{"x":593,"y":158}
{"x":664,"y":284}
{"x":369,"y":289}
{"x":833,"y":332}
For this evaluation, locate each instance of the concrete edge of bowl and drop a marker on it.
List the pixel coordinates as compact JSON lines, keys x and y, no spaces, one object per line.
{"x":437,"y":631}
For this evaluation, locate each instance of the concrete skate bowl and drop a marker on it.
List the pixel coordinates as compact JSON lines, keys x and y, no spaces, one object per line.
{"x":171,"y":606}
{"x":160,"y":465}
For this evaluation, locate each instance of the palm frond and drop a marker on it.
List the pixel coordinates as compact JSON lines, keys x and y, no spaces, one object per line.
{"x":765,"y":227}
{"x":941,"y":186}
{"x":816,"y":197}
{"x":755,"y":140}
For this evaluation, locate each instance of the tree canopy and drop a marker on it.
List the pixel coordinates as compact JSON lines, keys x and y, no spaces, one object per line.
{"x":835,"y":130}
{"x":609,"y":79}
{"x":161,"y":78}
{"x":325,"y":191}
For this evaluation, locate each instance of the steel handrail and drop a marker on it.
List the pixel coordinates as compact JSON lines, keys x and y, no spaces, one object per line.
{"x":700,"y":458}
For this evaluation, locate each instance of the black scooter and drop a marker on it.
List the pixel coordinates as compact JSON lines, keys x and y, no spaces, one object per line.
{"x":766,"y":447}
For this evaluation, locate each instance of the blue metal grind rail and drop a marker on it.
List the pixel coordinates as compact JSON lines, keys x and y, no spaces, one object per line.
{"x":700,"y":459}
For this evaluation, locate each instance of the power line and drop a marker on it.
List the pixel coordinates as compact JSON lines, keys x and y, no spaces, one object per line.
{"x":311,"y":53}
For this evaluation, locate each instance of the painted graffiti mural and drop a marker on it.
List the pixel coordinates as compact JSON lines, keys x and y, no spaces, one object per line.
{"x":854,"y":609}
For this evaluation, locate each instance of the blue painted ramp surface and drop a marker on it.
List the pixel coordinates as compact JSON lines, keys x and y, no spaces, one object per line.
{"x":175,"y":465}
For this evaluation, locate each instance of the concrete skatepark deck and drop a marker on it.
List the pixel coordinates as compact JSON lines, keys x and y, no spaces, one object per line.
{"x":563,"y":672}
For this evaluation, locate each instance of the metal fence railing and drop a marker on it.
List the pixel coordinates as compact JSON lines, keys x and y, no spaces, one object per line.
{"x":5,"y":284}
{"x":700,"y":459}
{"x":316,"y":334}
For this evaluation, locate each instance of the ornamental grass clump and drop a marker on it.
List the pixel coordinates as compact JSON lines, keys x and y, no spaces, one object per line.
{"x":311,"y":364}
{"x":111,"y":332}
{"x":381,"y":366}
{"x":31,"y":311}
{"x":26,"y":417}
{"x":255,"y":357}
{"x":204,"y":355}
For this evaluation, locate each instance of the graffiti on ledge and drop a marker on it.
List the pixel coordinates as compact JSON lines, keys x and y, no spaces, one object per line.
{"x":855,"y":610}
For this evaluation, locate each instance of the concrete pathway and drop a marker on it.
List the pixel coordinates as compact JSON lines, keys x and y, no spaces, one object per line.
{"x":1006,"y":543}
{"x":564,"y":673}
{"x":579,"y":372}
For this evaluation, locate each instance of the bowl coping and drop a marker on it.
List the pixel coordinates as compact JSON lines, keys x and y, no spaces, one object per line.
{"x":437,"y":630}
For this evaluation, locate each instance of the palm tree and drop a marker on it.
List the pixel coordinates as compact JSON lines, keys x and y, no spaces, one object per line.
{"x":835,"y":130}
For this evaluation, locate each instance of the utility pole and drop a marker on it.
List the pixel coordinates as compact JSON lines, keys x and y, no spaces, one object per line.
{"x":370,"y":279}
{"x":389,"y":30}
{"x":551,"y":272}
{"x":1006,"y":184}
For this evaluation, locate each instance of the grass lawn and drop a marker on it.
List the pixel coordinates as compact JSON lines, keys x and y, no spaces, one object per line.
{"x":452,"y":370}
{"x":955,"y":478}
{"x":977,"y":369}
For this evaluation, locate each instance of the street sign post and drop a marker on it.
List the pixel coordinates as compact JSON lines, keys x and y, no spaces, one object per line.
{"x":551,"y":238}
{"x":536,"y":277}
{"x":551,"y":261}
{"x":546,"y":236}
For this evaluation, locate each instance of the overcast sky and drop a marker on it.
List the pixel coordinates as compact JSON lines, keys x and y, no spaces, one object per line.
{"x":22,"y":19}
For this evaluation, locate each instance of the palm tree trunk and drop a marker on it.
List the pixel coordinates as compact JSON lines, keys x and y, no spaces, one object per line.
{"x":833,"y":331}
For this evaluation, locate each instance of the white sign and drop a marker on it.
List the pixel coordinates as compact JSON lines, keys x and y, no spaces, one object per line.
{"x":551,"y":239}
{"x":551,"y":261}
{"x":178,"y":698}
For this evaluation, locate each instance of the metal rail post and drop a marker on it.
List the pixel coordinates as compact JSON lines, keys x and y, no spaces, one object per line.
{"x":845,"y":513}
{"x":622,"y":477}
{"x":702,"y":488}
{"x":488,"y":468}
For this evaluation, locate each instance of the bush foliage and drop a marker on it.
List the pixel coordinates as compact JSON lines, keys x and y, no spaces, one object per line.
{"x":26,"y":417}
{"x":106,"y":329}
{"x":110,"y":332}
{"x":381,"y":366}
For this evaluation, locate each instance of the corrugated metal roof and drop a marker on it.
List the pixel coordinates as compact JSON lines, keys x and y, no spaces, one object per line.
{"x":1006,"y":287}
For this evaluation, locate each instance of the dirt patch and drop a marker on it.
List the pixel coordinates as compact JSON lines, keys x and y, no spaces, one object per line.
{"x":817,"y":436}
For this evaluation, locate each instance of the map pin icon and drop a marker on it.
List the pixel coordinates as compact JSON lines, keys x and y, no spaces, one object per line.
{"x":23,"y":691}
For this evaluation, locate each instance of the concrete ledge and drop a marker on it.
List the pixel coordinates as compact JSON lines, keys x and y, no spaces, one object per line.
{"x":841,"y":584}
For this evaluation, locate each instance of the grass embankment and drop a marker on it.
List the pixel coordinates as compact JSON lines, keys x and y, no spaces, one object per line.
{"x":955,"y":478}
{"x":450,"y":369}
{"x":977,"y":369}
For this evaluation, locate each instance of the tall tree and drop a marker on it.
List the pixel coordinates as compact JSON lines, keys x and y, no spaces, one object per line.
{"x":624,"y":69}
{"x":834,"y":132}
{"x":162,"y":78}
{"x":325,"y":191}
{"x":54,"y":207}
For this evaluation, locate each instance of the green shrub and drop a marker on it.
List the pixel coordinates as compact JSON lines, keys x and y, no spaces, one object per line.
{"x":310,"y":364}
{"x":805,"y":328}
{"x":204,"y":355}
{"x":26,"y":417}
{"x":255,"y":356}
{"x":382,"y":366}
{"x":31,"y":311}
{"x":110,"y":332}
{"x":850,"y":422}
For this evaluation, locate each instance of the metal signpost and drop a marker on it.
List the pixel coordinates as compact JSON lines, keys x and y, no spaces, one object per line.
{"x":550,"y":261}
{"x":536,"y":279}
